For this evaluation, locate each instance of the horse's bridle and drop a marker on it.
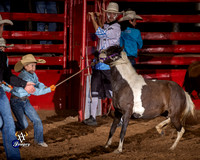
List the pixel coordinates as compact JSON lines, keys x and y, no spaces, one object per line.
{"x":108,"y":57}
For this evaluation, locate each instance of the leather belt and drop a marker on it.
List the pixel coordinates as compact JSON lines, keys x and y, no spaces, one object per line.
{"x":21,"y":98}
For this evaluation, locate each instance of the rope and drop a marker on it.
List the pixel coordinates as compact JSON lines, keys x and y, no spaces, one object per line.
{"x":73,"y":75}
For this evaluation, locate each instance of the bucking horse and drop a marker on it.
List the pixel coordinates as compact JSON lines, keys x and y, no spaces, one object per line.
{"x":142,"y":98}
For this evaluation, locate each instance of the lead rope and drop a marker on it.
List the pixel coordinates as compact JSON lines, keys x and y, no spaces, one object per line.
{"x":73,"y":75}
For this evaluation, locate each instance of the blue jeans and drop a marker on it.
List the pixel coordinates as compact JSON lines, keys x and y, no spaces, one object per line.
{"x":46,"y":7}
{"x":21,"y":108}
{"x":1,"y":123}
{"x":8,"y":128}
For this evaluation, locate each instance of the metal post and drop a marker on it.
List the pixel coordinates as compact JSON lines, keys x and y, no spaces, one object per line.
{"x":82,"y":93}
{"x":70,"y":29}
{"x":198,"y":11}
{"x":65,"y":37}
{"x":175,"y":29}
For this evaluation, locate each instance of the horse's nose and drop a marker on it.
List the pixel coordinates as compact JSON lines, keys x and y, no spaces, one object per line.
{"x":102,"y":57}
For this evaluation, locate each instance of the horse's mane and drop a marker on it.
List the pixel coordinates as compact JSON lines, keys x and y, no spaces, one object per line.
{"x":114,"y":49}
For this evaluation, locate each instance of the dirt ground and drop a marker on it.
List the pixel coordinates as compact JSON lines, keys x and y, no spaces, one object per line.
{"x":69,"y":139}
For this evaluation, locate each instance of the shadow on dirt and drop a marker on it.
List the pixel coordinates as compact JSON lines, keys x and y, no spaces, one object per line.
{"x":60,"y":115}
{"x":72,"y":130}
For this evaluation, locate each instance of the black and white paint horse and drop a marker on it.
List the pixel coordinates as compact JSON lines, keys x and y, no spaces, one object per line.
{"x":135,"y":96}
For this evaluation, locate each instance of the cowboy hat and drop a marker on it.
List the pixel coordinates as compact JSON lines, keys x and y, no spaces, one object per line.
{"x":129,"y":15}
{"x":27,"y":59}
{"x":3,"y":43}
{"x":5,"y":21}
{"x":112,"y":7}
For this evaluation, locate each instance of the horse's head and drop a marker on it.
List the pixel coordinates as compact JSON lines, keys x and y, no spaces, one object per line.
{"x":110,"y":55}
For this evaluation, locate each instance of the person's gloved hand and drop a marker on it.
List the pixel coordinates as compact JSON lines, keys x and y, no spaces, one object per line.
{"x":10,"y":87}
{"x":52,"y":87}
{"x":7,"y":85}
{"x":3,"y":82}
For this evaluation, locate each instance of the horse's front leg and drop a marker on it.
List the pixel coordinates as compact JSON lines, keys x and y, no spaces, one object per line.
{"x":126,"y":119}
{"x":116,"y":121}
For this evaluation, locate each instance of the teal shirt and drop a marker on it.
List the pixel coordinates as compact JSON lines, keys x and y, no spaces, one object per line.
{"x":40,"y":87}
{"x":131,"y":40}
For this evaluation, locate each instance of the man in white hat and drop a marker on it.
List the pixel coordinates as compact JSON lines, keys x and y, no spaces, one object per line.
{"x":130,"y":38}
{"x":109,"y":35}
{"x":7,"y":125}
{"x":19,"y":100}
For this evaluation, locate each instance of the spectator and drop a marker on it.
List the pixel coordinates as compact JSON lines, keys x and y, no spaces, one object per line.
{"x":46,"y":7}
{"x":7,"y":123}
{"x":109,"y":35}
{"x":5,"y":6}
{"x":19,"y":100}
{"x":130,"y":38}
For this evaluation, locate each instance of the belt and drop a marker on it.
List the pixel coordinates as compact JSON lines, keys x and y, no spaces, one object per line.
{"x":21,"y":98}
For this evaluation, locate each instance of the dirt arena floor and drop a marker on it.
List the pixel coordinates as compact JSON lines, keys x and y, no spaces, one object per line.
{"x":69,"y":139}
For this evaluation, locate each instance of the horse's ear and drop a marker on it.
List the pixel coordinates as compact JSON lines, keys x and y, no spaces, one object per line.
{"x":118,"y":49}
{"x":96,"y":54}
{"x":122,"y":48}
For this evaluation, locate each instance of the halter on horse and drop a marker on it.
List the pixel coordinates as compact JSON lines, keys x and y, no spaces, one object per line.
{"x":135,"y":96}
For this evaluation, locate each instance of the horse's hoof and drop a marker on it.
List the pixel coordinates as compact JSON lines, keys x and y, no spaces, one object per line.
{"x":117,"y":151}
{"x":160,"y":131}
{"x":106,"y":146}
{"x":172,"y":148}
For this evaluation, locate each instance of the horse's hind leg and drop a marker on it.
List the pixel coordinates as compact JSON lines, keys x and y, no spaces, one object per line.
{"x":179,"y":135}
{"x":180,"y":131}
{"x":116,"y":121}
{"x":160,"y":126}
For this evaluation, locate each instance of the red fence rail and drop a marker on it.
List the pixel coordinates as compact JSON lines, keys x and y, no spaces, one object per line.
{"x":60,"y":17}
{"x":33,"y":17}
{"x":52,"y":61}
{"x":37,"y":48}
{"x":34,"y":35}
{"x":171,"y":36}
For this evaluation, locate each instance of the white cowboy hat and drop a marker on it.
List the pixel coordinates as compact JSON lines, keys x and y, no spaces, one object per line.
{"x":27,"y":59}
{"x":3,"y":43}
{"x":5,"y":21}
{"x":112,"y":7}
{"x":129,"y":15}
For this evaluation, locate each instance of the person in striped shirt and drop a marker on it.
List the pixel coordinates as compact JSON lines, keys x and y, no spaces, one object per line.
{"x":108,"y":35}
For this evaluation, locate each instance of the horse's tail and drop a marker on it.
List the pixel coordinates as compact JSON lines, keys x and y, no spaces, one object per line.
{"x":190,"y":107}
